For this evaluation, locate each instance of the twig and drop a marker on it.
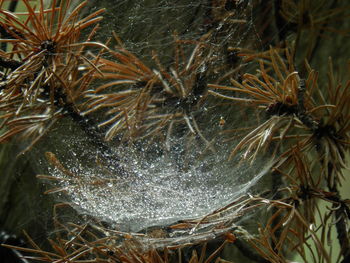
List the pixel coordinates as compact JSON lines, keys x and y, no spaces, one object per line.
{"x":9,"y":63}
{"x":305,"y":118}
{"x":90,"y":128}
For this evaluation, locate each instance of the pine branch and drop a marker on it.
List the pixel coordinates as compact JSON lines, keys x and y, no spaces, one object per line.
{"x":90,"y":128}
{"x":9,"y":63}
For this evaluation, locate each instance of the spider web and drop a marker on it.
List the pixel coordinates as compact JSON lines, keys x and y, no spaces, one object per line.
{"x":157,"y":189}
{"x":189,"y":177}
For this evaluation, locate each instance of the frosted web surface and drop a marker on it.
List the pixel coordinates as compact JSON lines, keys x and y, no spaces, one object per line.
{"x":156,"y":192}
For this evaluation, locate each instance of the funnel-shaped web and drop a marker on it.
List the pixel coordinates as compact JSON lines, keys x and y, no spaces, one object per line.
{"x":188,"y":179}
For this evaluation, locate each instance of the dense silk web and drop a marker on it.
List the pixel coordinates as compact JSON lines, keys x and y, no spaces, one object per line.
{"x":155,"y":191}
{"x":188,"y":175}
